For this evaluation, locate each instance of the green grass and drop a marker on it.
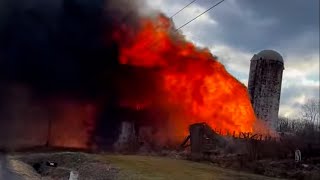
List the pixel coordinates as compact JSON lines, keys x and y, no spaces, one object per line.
{"x":160,"y":168}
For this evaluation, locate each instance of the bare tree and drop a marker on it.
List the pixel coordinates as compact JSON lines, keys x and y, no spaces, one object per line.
{"x":290,"y":125}
{"x":310,"y":112}
{"x":306,"y":127}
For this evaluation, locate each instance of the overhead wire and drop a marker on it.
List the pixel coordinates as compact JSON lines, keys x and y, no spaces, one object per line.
{"x":200,"y":14}
{"x":182,"y":9}
{"x":171,"y":17}
{"x":193,"y":19}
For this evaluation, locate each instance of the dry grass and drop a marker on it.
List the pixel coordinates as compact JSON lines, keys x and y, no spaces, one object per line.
{"x":160,"y":168}
{"x":125,"y":167}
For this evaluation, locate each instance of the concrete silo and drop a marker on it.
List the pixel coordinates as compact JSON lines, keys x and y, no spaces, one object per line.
{"x":265,"y":78}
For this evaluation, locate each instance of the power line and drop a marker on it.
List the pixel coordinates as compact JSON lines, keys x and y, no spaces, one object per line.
{"x":182,"y":8}
{"x":155,"y":41}
{"x":158,"y":26}
{"x":200,"y":15}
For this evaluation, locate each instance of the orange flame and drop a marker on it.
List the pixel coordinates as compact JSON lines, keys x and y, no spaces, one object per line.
{"x":197,"y":88}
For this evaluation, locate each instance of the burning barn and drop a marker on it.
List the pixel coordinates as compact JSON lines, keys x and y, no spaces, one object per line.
{"x":87,"y":67}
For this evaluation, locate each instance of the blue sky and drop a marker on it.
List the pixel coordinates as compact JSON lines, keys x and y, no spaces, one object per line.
{"x":236,"y":30}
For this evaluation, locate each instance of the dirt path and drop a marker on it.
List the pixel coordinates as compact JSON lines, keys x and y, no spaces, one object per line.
{"x":5,"y":169}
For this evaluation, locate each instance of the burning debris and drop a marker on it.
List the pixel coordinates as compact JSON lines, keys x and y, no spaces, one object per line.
{"x":92,"y":66}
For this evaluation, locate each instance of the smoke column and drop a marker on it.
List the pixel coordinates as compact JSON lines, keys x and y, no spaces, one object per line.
{"x":72,"y":70}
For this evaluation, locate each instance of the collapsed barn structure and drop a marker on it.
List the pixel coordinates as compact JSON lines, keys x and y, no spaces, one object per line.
{"x":204,"y":143}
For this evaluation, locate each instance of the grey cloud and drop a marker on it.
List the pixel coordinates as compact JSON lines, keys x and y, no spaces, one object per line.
{"x":290,"y":99}
{"x":255,"y":25}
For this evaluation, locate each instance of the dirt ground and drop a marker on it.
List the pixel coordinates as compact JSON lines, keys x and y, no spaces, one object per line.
{"x":109,"y":167}
{"x":35,"y":166}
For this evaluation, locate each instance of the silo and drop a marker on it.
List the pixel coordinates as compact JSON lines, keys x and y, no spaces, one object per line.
{"x":265,"y":78}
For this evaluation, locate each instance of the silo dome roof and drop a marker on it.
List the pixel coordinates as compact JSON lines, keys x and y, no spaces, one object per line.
{"x":268,"y":55}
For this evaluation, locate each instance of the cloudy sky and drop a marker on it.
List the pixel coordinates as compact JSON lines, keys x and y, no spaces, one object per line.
{"x":235,"y":30}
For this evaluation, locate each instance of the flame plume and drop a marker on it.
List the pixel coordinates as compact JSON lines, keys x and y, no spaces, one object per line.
{"x":195,"y":87}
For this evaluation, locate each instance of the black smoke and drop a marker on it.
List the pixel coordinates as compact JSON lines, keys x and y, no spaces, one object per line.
{"x":60,"y":47}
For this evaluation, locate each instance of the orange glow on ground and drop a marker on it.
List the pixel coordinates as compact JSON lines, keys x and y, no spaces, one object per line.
{"x":72,"y":127}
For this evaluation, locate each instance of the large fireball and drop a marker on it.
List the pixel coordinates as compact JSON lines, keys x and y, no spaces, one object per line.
{"x":195,"y":86}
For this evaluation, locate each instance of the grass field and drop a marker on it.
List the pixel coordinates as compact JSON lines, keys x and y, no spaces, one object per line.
{"x":160,"y":168}
{"x":121,"y":167}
